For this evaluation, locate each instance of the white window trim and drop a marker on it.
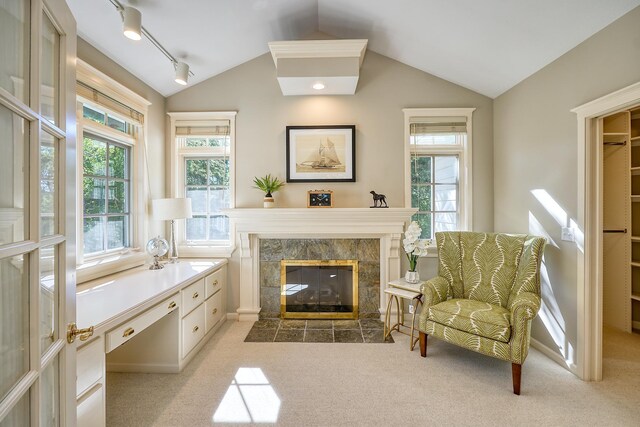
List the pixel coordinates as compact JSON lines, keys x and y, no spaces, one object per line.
{"x":465,"y":159}
{"x":177,"y":171}
{"x":112,"y":262}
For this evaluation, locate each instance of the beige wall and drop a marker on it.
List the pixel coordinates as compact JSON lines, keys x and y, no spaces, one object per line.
{"x":385,"y":88}
{"x":535,"y":148}
{"x":155,"y":122}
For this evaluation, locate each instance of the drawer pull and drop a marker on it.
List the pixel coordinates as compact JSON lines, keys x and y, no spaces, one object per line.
{"x":172,"y":305}
{"x":195,"y":328}
{"x":128,"y":332}
{"x":215,"y":310}
{"x":215,"y":282}
{"x":195,"y":295}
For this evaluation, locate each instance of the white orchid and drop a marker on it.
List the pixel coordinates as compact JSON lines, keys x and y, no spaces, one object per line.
{"x":413,"y":245}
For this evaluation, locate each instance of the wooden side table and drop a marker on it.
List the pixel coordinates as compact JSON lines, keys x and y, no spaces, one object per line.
{"x":397,"y":290}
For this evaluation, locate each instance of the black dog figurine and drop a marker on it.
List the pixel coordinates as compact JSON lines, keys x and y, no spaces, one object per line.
{"x":378,"y":200}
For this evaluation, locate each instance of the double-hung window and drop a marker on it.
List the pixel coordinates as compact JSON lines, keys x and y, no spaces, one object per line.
{"x":203,"y":169}
{"x":438,"y":168}
{"x":112,"y":191}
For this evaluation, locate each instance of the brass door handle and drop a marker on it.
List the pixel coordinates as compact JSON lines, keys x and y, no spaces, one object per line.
{"x":172,"y":304}
{"x":215,"y":282}
{"x":195,"y":295}
{"x":195,"y":328}
{"x":128,"y":332}
{"x":73,"y":332}
{"x":215,"y":310}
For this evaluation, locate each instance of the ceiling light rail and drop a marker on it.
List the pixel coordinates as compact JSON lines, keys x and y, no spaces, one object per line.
{"x":132,"y":19}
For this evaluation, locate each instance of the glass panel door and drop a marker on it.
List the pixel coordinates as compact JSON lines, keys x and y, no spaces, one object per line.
{"x":36,"y":300}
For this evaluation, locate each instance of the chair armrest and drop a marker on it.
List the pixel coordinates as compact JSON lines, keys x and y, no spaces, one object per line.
{"x":525,"y":306}
{"x":434,"y":291}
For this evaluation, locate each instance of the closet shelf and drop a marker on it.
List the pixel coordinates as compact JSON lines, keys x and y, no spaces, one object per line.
{"x":635,"y":170}
{"x":615,"y":134}
{"x":635,"y":297}
{"x":635,"y":238}
{"x":635,"y":264}
{"x":635,"y":198}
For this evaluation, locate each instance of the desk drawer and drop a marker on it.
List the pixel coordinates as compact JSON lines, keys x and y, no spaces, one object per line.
{"x":215,"y":281}
{"x":89,"y":365}
{"x":134,"y":326}
{"x":192,"y":296}
{"x":213,"y":307}
{"x":192,"y":330}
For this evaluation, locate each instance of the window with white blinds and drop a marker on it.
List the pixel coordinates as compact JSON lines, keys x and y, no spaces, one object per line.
{"x":204,"y":150}
{"x":437,"y":175}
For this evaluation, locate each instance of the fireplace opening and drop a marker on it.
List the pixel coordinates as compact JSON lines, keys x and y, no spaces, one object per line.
{"x":319,"y":289}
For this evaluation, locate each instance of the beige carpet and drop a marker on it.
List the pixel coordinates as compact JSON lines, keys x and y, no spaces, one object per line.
{"x":307,"y":384}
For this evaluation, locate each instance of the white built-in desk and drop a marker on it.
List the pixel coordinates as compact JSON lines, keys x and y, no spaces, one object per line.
{"x":147,"y":321}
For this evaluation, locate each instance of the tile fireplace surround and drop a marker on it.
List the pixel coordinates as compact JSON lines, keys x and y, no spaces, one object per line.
{"x":251,"y":226}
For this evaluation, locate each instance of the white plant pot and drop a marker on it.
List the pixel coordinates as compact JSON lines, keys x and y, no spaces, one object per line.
{"x":412,"y":276}
{"x":269,"y":202}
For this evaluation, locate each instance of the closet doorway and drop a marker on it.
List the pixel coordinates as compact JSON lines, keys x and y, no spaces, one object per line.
{"x":619,"y":137}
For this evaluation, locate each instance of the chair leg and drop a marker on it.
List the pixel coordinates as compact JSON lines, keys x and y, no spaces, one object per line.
{"x":423,"y":344}
{"x":516,"y":372}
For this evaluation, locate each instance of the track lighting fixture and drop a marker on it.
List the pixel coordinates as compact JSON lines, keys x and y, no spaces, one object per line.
{"x":133,"y":29}
{"x":182,"y":73}
{"x":132,"y":23}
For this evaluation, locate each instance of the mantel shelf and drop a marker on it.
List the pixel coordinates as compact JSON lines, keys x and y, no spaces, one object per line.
{"x":320,"y":220}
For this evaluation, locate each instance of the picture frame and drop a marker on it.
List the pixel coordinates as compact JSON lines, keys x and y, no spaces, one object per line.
{"x":321,"y":153}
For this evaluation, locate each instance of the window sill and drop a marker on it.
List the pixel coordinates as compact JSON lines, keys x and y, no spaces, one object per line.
{"x":103,"y":266}
{"x":202,"y":251}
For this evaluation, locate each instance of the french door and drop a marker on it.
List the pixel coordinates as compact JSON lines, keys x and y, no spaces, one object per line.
{"x":37,"y":212}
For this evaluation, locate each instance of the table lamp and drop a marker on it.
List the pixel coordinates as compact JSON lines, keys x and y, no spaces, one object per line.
{"x":172,"y":209}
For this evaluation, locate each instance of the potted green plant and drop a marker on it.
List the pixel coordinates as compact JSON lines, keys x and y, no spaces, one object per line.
{"x":268,"y":184}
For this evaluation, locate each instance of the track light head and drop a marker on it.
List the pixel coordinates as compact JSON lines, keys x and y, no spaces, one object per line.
{"x":182,"y":73}
{"x":132,"y":27}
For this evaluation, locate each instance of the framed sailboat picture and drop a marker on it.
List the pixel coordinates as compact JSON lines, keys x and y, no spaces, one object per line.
{"x":321,"y":153}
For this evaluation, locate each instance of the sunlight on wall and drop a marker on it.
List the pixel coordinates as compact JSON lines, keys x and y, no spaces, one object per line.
{"x":552,"y":318}
{"x":550,"y":312}
{"x":559,"y":215}
{"x":554,"y":209}
{"x":536,"y":228}
{"x":249,"y":399}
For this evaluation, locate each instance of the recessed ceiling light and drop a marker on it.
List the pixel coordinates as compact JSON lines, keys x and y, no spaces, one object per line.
{"x":318,"y":86}
{"x":132,"y":27}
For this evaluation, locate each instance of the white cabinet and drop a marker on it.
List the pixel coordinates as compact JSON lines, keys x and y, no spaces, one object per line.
{"x":213,"y":310}
{"x":91,"y":409}
{"x":160,"y":331}
{"x":199,"y":316}
{"x":192,"y":296}
{"x":90,"y":374}
{"x":193,"y":330}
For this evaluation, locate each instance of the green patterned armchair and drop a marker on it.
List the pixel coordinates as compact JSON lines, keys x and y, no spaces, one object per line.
{"x":485,"y":295}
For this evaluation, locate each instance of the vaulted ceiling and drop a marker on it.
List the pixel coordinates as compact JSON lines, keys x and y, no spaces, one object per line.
{"x":487,"y":46}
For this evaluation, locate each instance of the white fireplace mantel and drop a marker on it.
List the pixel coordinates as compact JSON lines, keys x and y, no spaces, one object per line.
{"x":251,"y":224}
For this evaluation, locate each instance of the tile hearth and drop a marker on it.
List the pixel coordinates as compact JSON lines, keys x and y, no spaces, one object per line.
{"x":318,"y":331}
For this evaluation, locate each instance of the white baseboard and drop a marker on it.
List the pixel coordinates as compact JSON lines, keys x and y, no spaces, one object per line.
{"x":154,"y":368}
{"x":571,"y":367}
{"x":233,"y":316}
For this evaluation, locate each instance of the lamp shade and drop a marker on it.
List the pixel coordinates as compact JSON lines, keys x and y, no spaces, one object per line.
{"x":165,"y":209}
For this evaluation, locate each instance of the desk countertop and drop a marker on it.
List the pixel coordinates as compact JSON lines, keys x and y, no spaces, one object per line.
{"x":104,"y":300}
